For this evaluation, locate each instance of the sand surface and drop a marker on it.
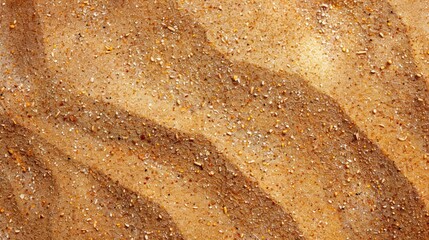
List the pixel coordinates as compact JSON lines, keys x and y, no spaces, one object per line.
{"x":208,"y":119}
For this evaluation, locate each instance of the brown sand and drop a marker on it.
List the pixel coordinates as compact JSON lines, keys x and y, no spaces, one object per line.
{"x":214,"y":120}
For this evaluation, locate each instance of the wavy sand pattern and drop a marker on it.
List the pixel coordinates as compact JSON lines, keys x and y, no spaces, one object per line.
{"x":213,"y":120}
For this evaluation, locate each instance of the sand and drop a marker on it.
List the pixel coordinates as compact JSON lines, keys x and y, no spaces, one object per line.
{"x":214,"y":119}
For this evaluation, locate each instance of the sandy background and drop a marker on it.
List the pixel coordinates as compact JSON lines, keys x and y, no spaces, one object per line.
{"x":214,"y":119}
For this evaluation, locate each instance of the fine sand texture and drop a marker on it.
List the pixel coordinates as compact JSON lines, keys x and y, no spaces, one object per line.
{"x":214,"y":119}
